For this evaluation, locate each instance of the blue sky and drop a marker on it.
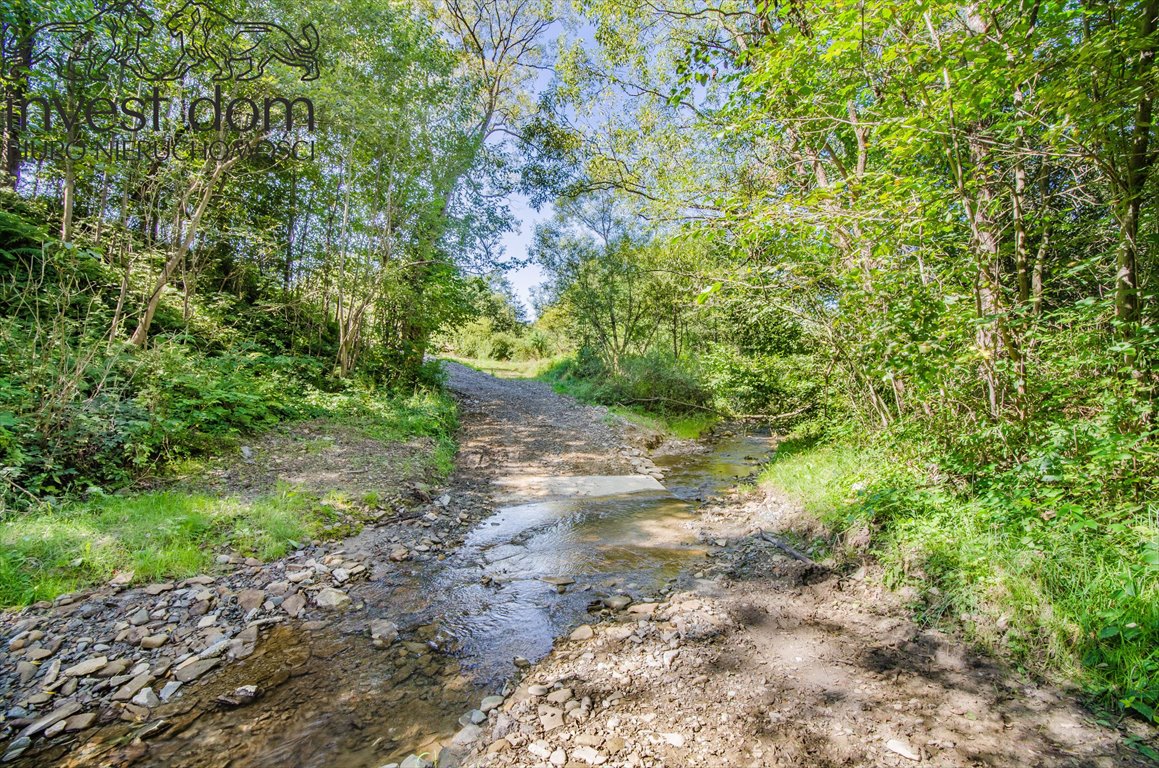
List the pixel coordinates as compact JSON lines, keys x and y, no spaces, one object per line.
{"x":517,"y":242}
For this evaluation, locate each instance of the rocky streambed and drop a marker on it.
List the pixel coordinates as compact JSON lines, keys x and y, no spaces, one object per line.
{"x":395,"y":644}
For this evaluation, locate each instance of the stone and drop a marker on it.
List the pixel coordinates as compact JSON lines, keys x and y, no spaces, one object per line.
{"x":169,"y":689}
{"x":383,"y":632}
{"x":539,"y":690}
{"x":589,"y":755}
{"x":617,"y":602}
{"x":899,"y":747}
{"x":332,"y":599}
{"x":558,"y":757}
{"x":27,"y":670}
{"x":112,"y":669}
{"x":521,"y":662}
{"x":80,"y":722}
{"x":250,"y":599}
{"x":398,"y":554}
{"x":37,"y":654}
{"x":550,"y":718}
{"x":86,"y":667}
{"x":156,"y":589}
{"x":643,"y":609}
{"x":674,"y":739}
{"x":146,"y":698}
{"x":560,"y":696}
{"x":540,"y":749}
{"x":60,"y":713}
{"x":414,"y":761}
{"x":467,"y":735}
{"x":299,"y":576}
{"x":557,"y":581}
{"x":497,"y":746}
{"x":191,"y":672}
{"x":589,"y":740}
{"x":121,"y":579}
{"x":139,"y":617}
{"x":129,"y":689}
{"x":293,"y":605}
{"x":152,"y":642}
{"x":582,"y":632}
{"x":16,"y":748}
{"x":490,"y":702}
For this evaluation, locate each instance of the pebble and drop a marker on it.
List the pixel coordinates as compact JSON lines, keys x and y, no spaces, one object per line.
{"x":152,"y":642}
{"x":196,"y":669}
{"x":27,"y":670}
{"x":250,"y":599}
{"x":146,"y":698}
{"x":129,"y":689}
{"x":334,"y":599}
{"x":539,"y":690}
{"x":900,"y":747}
{"x":589,"y":755}
{"x":293,"y":605}
{"x":398,"y":554}
{"x":617,"y":602}
{"x":550,"y":718}
{"x":169,"y":689}
{"x":490,"y":702}
{"x":383,"y":632}
{"x":139,"y":617}
{"x":583,"y":632}
{"x":86,"y":667}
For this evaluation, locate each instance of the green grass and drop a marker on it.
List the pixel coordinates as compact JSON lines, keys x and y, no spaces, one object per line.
{"x":49,"y":551}
{"x":505,"y":369}
{"x":1060,"y":598}
{"x":683,"y":427}
{"x":820,"y":478}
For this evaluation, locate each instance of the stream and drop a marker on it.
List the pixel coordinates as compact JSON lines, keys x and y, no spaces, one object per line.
{"x":332,"y":700}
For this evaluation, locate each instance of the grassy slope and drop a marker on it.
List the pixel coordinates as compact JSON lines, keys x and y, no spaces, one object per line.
{"x":50,"y":550}
{"x":1058,"y":602}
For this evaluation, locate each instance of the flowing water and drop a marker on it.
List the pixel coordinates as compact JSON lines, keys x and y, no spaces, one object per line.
{"x":332,"y":699}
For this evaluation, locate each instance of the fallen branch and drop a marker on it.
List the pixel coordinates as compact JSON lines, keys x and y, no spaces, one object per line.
{"x":786,"y":548}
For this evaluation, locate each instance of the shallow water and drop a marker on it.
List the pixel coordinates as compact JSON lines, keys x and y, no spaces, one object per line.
{"x":332,"y":699}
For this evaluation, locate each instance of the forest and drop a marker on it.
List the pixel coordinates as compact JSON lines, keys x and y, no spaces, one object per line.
{"x":914,"y":240}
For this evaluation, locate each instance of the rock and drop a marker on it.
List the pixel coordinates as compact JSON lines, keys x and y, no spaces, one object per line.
{"x":449,"y":757}
{"x":589,"y":755}
{"x":194,"y":670}
{"x":27,"y":670}
{"x":146,"y":698}
{"x":60,"y":713}
{"x":560,"y":696}
{"x":414,"y":761}
{"x":539,"y":690}
{"x":557,"y":581}
{"x":383,"y":632}
{"x":643,"y":609}
{"x":490,"y":702}
{"x":250,"y":599}
{"x":332,"y":599}
{"x":121,"y":579}
{"x":550,"y":718}
{"x":139,"y":617}
{"x":293,"y":605}
{"x":16,"y":748}
{"x":582,"y":632}
{"x":467,"y":735}
{"x":169,"y":689}
{"x":540,"y":749}
{"x":129,"y":689}
{"x":497,"y":746}
{"x":558,"y":757}
{"x":617,"y":602}
{"x":80,"y":722}
{"x":238,"y":697}
{"x":86,"y":667}
{"x":398,"y":554}
{"x":675,"y":739}
{"x":589,"y":740}
{"x":299,"y":576}
{"x":900,"y":747}
{"x":473,"y":717}
{"x":340,"y":575}
{"x":521,"y":662}
{"x":151,"y":642}
{"x":156,"y":589}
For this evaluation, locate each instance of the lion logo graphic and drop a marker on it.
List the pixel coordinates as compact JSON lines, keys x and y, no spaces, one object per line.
{"x":89,"y":50}
{"x":119,"y":37}
{"x":237,"y":50}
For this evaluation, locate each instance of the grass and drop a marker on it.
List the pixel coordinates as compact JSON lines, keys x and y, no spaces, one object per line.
{"x":160,"y":535}
{"x":49,"y":550}
{"x":1060,"y":599}
{"x":505,"y":369}
{"x":683,"y":427}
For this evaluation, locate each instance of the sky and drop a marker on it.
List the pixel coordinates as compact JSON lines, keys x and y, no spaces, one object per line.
{"x":516,"y":244}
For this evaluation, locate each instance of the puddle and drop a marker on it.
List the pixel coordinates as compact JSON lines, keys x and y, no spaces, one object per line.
{"x":333,"y":700}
